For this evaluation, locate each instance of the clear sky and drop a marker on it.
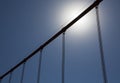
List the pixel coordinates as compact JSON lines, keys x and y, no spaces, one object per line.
{"x":26,"y":24}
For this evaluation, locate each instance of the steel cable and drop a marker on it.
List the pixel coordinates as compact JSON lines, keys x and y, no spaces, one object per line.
{"x":39,"y":67}
{"x":101,"y":47}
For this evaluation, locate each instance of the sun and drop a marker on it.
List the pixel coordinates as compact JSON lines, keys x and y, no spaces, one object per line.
{"x":70,"y":11}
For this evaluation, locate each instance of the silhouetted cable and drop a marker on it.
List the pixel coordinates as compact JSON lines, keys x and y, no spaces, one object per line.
{"x":23,"y":71}
{"x":63,"y":58}
{"x":101,"y":47}
{"x":10,"y":77}
{"x":39,"y":67}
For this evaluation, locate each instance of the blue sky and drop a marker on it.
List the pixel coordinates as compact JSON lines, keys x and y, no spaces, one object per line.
{"x":26,"y":24}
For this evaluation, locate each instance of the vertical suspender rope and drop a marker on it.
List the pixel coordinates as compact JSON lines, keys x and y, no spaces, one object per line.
{"x":23,"y":70}
{"x":10,"y":78}
{"x":39,"y":67}
{"x":63,"y":58}
{"x":101,"y":47}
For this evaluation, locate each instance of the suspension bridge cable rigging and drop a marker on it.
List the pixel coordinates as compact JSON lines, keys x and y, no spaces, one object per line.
{"x":23,"y":71}
{"x":53,"y":37}
{"x":101,"y":47}
{"x":63,"y":58}
{"x":10,"y":77}
{"x":39,"y":67}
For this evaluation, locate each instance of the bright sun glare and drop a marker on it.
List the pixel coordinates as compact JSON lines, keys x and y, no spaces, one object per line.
{"x":71,"y":10}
